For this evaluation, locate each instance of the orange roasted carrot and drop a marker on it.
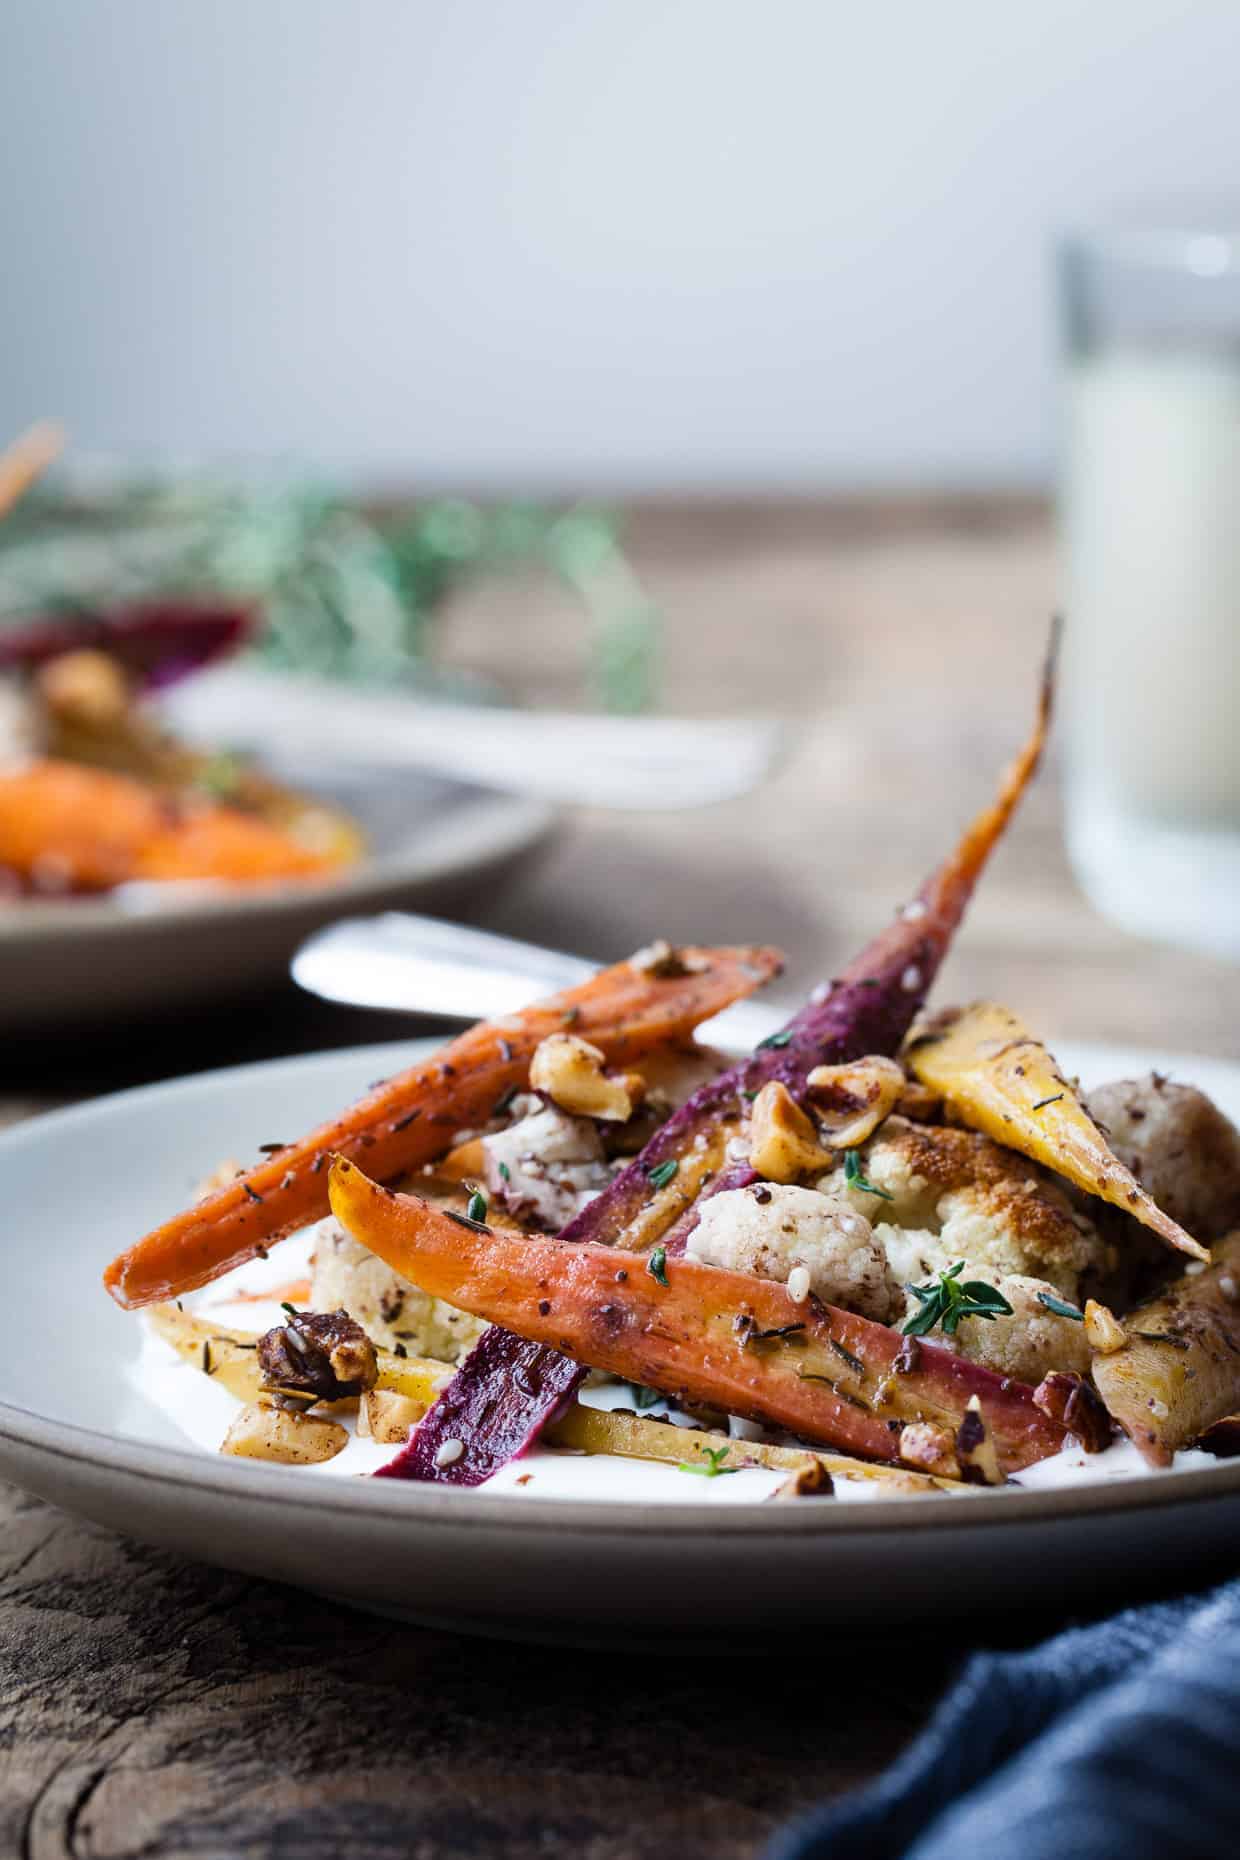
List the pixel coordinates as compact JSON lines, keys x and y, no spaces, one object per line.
{"x":85,"y":826}
{"x":224,"y":843}
{"x":411,"y":1119}
{"x":697,"y":1332}
{"x":94,"y":829}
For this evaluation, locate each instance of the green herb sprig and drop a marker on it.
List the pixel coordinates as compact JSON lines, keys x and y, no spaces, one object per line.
{"x":656,"y":1265}
{"x":853,"y":1178}
{"x":1061,"y":1307}
{"x":713,"y":1468}
{"x":662,"y":1173}
{"x":946,"y":1301}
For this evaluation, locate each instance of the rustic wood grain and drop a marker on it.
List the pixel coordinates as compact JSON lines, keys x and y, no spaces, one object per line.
{"x":157,"y":1708}
{"x":162,"y":1708}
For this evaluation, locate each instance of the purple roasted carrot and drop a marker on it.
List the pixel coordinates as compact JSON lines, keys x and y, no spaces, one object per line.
{"x":485,"y":1417}
{"x":511,"y":1390}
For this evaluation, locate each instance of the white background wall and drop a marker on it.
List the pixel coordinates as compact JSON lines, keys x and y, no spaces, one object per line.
{"x":578,"y":242}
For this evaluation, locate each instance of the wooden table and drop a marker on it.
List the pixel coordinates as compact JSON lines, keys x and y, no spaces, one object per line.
{"x":159,"y":1708}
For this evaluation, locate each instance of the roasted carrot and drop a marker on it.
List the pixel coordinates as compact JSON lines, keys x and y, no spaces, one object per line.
{"x":224,"y":843}
{"x":85,"y":827}
{"x":411,"y":1119}
{"x":995,"y":1077}
{"x":694,"y":1331}
{"x":869,"y":1009}
{"x":93,"y":829}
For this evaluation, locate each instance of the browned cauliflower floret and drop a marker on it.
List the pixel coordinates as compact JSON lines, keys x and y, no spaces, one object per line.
{"x":952,"y":1195}
{"x":392,"y":1312}
{"x":777,"y":1231}
{"x":1180,"y":1147}
{"x":985,"y":1204}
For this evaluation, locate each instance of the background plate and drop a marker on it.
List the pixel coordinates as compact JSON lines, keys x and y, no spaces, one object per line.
{"x":86,"y":960}
{"x":82,"y":1183}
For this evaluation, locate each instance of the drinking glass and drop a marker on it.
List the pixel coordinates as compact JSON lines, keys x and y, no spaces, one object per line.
{"x":1151,"y":524}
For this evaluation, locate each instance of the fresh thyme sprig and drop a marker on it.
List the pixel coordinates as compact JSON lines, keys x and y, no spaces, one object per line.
{"x":853,"y":1177}
{"x":714,"y":1470}
{"x":1061,"y":1307}
{"x":946,"y":1301}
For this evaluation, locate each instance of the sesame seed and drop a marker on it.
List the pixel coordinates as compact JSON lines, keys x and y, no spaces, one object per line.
{"x":821,"y":993}
{"x":1228,"y":1287}
{"x":737,"y":1150}
{"x":449,"y":1453}
{"x":910,"y":981}
{"x":798,"y":1284}
{"x":914,"y":912}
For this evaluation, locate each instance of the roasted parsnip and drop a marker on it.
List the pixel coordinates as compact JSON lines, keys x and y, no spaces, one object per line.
{"x":1179,"y":1371}
{"x":995,"y":1077}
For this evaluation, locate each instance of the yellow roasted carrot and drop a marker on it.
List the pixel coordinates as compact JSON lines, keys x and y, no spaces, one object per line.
{"x":230,"y":1357}
{"x":995,"y":1077}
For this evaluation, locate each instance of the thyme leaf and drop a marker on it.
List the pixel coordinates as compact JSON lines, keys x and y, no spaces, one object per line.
{"x":715,"y":1469}
{"x":662,"y":1173}
{"x":1060,"y":1307}
{"x":854,"y":1178}
{"x":656,"y":1265}
{"x":946,"y":1301}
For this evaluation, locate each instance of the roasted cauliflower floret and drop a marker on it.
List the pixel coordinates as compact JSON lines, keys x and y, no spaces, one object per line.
{"x":778,"y":1232}
{"x":952,"y":1195}
{"x":975,"y":1201}
{"x":546,"y":1166}
{"x":392,"y":1312}
{"x":1029,"y":1343}
{"x":1180,"y":1147}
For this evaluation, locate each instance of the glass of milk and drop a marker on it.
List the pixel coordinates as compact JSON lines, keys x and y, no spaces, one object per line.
{"x":1151,"y":519}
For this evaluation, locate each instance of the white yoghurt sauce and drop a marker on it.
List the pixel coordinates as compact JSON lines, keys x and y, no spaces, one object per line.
{"x":202,"y":1410}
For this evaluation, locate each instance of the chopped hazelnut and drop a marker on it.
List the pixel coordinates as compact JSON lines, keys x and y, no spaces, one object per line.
{"x":782,"y":1141}
{"x":851,"y":1101}
{"x":570,"y":1072}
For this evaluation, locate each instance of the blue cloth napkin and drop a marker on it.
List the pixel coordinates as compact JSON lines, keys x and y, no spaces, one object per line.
{"x":1109,"y":1742}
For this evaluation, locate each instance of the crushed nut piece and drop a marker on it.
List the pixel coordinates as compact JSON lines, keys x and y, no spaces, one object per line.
{"x":930,"y":1449}
{"x":1103,"y":1329}
{"x":664,"y":962}
{"x":781,"y":1137}
{"x":324,"y":1355}
{"x":851,"y":1101}
{"x":570,"y":1072}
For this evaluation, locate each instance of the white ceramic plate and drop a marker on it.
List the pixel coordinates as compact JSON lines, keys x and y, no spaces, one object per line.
{"x":82,"y":960}
{"x":593,"y":1549}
